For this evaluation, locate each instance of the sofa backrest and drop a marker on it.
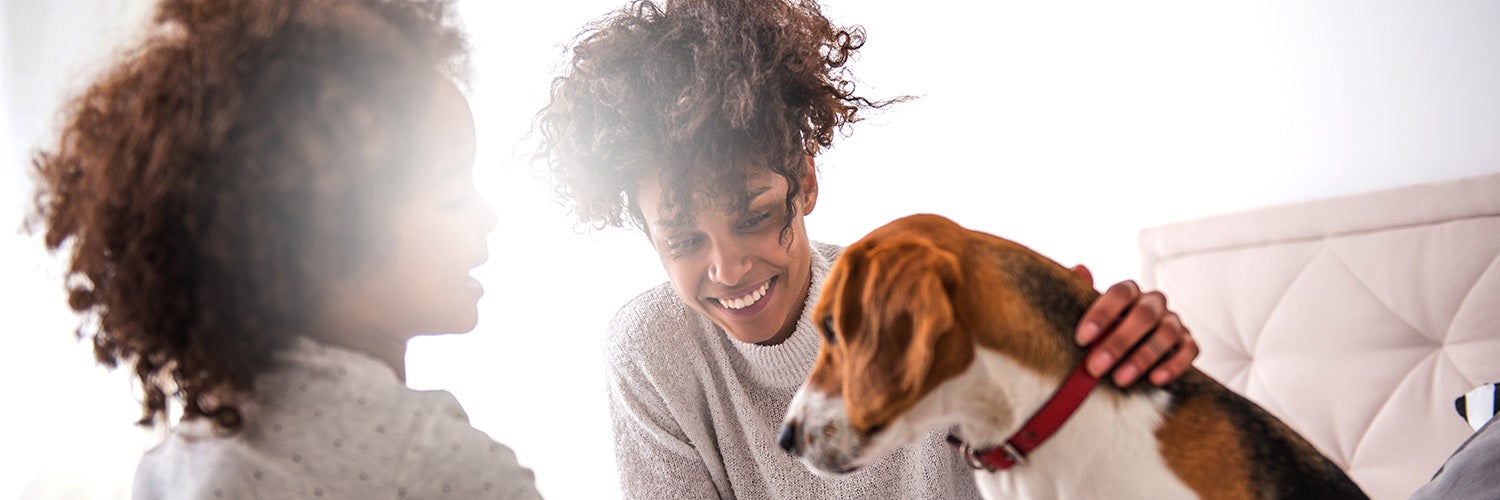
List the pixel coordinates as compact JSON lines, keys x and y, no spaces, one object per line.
{"x":1357,"y":320}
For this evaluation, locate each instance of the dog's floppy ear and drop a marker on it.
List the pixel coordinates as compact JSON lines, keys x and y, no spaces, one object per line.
{"x":908,"y":313}
{"x":924,"y":281}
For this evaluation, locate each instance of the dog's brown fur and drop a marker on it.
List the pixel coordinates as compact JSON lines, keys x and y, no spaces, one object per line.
{"x":904,"y":309}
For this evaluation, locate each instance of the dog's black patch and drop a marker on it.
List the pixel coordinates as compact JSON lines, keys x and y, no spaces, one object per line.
{"x":1045,"y":290}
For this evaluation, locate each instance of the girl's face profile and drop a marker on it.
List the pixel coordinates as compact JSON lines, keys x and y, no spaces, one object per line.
{"x":420,"y":282}
{"x":727,"y":258}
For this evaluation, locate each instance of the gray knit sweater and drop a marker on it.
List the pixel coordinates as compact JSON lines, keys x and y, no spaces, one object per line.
{"x":696,"y":412}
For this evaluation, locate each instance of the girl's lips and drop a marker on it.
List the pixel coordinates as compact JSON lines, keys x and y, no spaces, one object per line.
{"x":473,"y":286}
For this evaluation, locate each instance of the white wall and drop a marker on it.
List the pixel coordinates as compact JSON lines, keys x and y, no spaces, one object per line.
{"x":64,"y":418}
{"x":1067,"y":126}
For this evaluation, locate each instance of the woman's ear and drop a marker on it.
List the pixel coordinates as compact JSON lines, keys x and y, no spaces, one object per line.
{"x":809,"y":187}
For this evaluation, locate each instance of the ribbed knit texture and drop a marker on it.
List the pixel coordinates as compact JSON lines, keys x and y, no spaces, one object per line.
{"x":696,"y":413}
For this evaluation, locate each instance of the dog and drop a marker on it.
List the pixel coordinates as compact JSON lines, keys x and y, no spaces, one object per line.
{"x":929,"y":326}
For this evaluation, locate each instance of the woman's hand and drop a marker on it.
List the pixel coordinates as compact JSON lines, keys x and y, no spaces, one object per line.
{"x":1125,"y":322}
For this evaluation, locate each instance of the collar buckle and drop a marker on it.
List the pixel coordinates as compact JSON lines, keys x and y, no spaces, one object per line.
{"x":972,"y":458}
{"x":976,"y":459}
{"x":1013,"y":454}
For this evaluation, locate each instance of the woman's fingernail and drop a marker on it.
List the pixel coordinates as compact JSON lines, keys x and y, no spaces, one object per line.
{"x":1087,"y":332}
{"x":1126,"y":374}
{"x":1099,"y":363}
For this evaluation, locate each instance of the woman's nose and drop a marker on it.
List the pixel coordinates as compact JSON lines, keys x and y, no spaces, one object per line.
{"x":729,"y":265}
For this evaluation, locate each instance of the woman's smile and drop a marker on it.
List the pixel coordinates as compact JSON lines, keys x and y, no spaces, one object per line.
{"x":737,"y":305}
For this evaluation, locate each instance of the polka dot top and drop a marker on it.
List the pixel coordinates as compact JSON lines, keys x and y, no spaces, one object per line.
{"x":333,"y":423}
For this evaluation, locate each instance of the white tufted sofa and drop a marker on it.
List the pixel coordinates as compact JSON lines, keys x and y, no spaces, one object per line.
{"x":1357,"y":320}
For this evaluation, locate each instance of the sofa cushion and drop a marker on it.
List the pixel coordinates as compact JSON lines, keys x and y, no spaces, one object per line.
{"x":1357,"y":320}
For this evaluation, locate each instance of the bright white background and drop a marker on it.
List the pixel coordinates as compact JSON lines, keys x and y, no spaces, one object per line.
{"x":1068,"y":126}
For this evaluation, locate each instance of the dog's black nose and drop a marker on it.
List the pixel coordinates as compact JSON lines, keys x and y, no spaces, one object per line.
{"x":788,"y":438}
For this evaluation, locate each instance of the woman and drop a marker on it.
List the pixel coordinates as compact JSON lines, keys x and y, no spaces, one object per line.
{"x":698,"y":122}
{"x":263,"y":202}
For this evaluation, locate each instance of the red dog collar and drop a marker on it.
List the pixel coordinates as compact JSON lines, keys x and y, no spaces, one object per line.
{"x":1041,"y":426}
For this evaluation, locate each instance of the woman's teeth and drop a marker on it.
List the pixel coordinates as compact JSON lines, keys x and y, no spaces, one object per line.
{"x":748,"y":300}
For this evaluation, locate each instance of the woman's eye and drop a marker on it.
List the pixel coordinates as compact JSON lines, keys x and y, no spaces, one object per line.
{"x":755,"y":221}
{"x":828,"y":329}
{"x":680,"y":246}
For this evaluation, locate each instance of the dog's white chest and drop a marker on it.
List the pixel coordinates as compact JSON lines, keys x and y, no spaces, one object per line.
{"x":1107,"y":449}
{"x":1140,"y":482}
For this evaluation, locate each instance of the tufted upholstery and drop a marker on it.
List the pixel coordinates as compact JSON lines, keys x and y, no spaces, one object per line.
{"x":1357,"y":320}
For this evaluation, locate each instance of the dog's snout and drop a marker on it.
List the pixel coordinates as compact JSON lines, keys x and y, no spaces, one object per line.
{"x":788,"y":438}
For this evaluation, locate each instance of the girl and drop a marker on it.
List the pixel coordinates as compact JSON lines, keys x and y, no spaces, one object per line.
{"x":262,"y":203}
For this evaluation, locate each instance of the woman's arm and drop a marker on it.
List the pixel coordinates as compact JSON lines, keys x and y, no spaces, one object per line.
{"x":653,"y":454}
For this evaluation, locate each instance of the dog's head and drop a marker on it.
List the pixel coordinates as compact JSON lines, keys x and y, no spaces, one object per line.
{"x":902,"y":312}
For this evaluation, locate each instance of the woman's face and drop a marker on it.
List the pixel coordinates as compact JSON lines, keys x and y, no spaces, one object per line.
{"x":419,"y":281}
{"x":727,"y":258}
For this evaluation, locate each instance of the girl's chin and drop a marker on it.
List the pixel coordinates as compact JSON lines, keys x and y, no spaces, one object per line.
{"x":459,"y":322}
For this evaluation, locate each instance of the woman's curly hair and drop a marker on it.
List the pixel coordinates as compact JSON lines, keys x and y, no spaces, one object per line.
{"x":213,"y":181}
{"x":701,"y":91}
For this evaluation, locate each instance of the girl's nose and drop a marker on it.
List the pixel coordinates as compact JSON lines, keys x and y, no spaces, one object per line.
{"x":486,"y":216}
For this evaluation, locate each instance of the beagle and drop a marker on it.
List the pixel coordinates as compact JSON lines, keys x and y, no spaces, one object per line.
{"x":929,"y":326}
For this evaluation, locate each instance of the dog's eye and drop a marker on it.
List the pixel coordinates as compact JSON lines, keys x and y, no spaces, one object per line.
{"x":828,"y":329}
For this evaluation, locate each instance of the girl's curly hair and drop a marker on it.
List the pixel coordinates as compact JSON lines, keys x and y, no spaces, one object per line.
{"x":213,"y":181}
{"x":699,"y":90}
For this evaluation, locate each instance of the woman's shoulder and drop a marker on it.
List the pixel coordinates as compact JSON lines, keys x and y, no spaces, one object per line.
{"x":656,"y":330}
{"x":829,"y":251}
{"x":655,"y":318}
